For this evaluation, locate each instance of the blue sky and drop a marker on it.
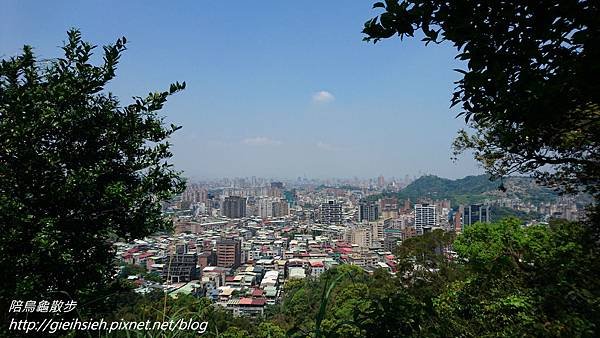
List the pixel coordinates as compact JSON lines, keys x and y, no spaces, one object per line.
{"x":274,"y":88}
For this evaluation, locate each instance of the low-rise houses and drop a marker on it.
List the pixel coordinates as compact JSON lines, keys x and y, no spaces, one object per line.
{"x":240,"y":244}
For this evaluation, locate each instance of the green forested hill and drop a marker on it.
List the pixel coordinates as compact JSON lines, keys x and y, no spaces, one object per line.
{"x":473,"y":189}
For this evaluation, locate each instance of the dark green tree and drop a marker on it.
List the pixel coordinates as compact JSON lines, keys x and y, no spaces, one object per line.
{"x":392,"y":310}
{"x":157,"y":306}
{"x":269,"y":330}
{"x":424,"y":265}
{"x":530,"y":90}
{"x":77,"y":169}
{"x":347,"y":302}
{"x":524,"y":281}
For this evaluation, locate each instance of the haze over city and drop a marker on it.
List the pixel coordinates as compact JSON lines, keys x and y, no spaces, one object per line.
{"x":298,"y":94}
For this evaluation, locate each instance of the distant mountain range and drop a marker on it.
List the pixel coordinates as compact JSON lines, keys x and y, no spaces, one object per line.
{"x":473,"y":189}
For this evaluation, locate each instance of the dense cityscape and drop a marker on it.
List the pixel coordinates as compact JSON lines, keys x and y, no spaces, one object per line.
{"x":297,"y":169}
{"x":237,"y":241}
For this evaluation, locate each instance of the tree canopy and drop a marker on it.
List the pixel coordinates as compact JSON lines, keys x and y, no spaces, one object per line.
{"x":530,"y":90}
{"x":506,"y":280}
{"x":77,"y":170}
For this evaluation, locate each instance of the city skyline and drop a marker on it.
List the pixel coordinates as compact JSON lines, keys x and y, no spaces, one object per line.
{"x":277,"y":90}
{"x":268,"y":179}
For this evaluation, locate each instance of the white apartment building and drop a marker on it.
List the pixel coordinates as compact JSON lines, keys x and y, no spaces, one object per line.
{"x":425,"y":217}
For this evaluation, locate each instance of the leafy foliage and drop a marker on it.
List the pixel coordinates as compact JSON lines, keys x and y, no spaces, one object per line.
{"x":507,"y":280}
{"x":498,"y":212}
{"x":76,"y":170}
{"x":530,"y":93}
{"x":158,"y":307}
{"x":530,"y":89}
{"x":538,"y":280}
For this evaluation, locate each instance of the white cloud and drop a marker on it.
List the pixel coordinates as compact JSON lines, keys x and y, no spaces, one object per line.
{"x":322,"y":96}
{"x":327,"y":146}
{"x":260,"y":141}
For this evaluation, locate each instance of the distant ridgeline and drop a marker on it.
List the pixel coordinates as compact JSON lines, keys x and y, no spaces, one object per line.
{"x":477,"y":189}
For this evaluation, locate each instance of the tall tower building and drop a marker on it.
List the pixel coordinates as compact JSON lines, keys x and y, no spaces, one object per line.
{"x":381,"y":181}
{"x":180,"y":265}
{"x":458,"y":215}
{"x":476,"y":213}
{"x":330,"y":213}
{"x":388,"y":208}
{"x":229,"y":253}
{"x":277,"y":185}
{"x":361,"y":236}
{"x":195,"y":193}
{"x":425,"y":217}
{"x":368,"y":211}
{"x":234,"y":207}
{"x":280,"y":208}
{"x":377,"y":233}
{"x":265,"y":207}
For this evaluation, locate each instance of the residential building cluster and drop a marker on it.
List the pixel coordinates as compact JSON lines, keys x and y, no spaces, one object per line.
{"x":238,"y":244}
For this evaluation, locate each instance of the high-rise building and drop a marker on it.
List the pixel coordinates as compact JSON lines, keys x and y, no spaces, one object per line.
{"x":229,"y":253}
{"x":195,"y":194}
{"x":368,"y":211}
{"x":361,"y":236}
{"x":476,"y":213}
{"x":291,"y":197}
{"x":180,"y":266}
{"x":330,"y":213}
{"x":234,"y":207}
{"x":381,"y":181}
{"x":457,"y":219}
{"x":280,"y":208}
{"x":265,"y":208}
{"x":388,"y":204}
{"x":252,"y":206}
{"x":425,"y":217}
{"x":272,"y":207}
{"x":377,"y":231}
{"x":277,"y":185}
{"x":443,"y":211}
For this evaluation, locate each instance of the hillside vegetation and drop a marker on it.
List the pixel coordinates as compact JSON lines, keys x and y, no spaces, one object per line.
{"x":473,"y":189}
